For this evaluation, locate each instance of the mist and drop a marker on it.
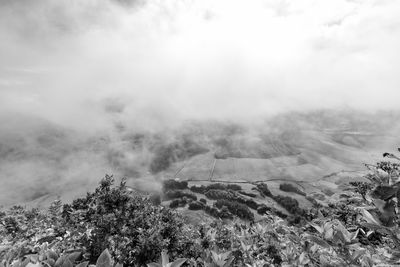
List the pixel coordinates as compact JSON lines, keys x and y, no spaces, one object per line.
{"x":80,"y":80}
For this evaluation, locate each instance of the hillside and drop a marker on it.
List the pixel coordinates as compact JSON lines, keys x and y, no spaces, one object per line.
{"x":39,"y":158}
{"x":215,"y":224}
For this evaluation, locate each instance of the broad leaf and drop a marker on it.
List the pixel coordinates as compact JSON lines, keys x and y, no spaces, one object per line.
{"x":104,"y":259}
{"x":318,"y":241}
{"x":67,"y":263}
{"x":178,"y":262}
{"x":369,"y":218}
{"x":317,"y":227}
{"x":164,"y":258}
{"x":83,"y":264}
{"x":74,"y":256}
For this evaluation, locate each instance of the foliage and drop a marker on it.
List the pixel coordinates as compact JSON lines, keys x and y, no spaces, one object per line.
{"x":197,"y":205}
{"x":172,"y":194}
{"x":264,"y":190}
{"x":173,"y":185}
{"x":290,"y":204}
{"x":247,"y":194}
{"x":215,"y":186}
{"x":112,"y":226}
{"x":291,"y":188}
{"x":236,"y":208}
{"x":129,"y":226}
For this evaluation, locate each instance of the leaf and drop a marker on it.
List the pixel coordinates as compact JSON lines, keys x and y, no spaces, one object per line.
{"x":318,"y":241}
{"x":229,"y":262}
{"x":357,"y":254}
{"x":60,"y":261}
{"x":343,"y":231}
{"x":119,"y":265}
{"x":178,"y":262}
{"x":220,"y":259}
{"x":328,"y":234}
{"x":33,"y":264}
{"x":50,"y":262}
{"x":380,"y":204}
{"x":25,"y":262}
{"x":369,"y":218}
{"x":74,"y":256}
{"x":104,"y":259}
{"x":317,"y":227}
{"x":303,"y":260}
{"x":67,"y":263}
{"x":153,"y":264}
{"x":354,"y":234}
{"x":164,"y":257}
{"x":83,"y":264}
{"x":51,"y":255}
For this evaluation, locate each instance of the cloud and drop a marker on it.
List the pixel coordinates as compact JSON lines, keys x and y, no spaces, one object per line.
{"x":196,"y":59}
{"x":99,"y":67}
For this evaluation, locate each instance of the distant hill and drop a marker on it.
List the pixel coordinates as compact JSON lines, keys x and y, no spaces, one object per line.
{"x":39,"y":158}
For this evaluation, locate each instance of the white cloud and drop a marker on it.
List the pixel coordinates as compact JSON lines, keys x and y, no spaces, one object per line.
{"x":196,"y":59}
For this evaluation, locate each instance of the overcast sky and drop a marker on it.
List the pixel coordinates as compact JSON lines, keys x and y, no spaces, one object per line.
{"x":158,"y":60}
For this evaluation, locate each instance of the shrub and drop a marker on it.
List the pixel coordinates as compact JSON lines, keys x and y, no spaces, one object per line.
{"x":238,"y":209}
{"x":175,"y":203}
{"x":234,"y":187}
{"x":198,"y":189}
{"x":204,"y":201}
{"x":173,"y":185}
{"x":220,"y":194}
{"x":247,"y":194}
{"x":221,"y":214}
{"x":215,"y":186}
{"x":290,"y":204}
{"x":131,"y":227}
{"x":262,"y":209}
{"x":264,"y":190}
{"x":291,"y":188}
{"x":197,"y":205}
{"x":251,"y":204}
{"x":172,"y":194}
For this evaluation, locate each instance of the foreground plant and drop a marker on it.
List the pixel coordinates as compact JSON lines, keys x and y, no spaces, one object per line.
{"x":165,"y":261}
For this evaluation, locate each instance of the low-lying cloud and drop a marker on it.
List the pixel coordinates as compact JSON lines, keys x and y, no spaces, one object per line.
{"x":98,"y":67}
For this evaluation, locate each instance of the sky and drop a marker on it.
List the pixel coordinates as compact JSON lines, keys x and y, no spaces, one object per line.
{"x":156,"y":62}
{"x":76,"y":76}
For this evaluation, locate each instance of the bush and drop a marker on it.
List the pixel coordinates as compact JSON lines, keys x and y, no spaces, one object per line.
{"x":247,"y":194}
{"x":234,"y":187}
{"x":236,"y":208}
{"x":215,"y":186}
{"x":290,"y":204}
{"x":172,"y":194}
{"x":197,"y":205}
{"x":264,"y":190}
{"x":221,"y":214}
{"x":230,"y":196}
{"x":291,"y":188}
{"x":204,"y":201}
{"x":177,"y":203}
{"x":114,"y":217}
{"x":262,"y":209}
{"x":174,"y":185}
{"x":198,"y":189}
{"x":251,"y":204}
